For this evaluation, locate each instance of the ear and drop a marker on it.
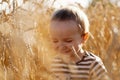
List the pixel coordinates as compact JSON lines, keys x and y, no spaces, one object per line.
{"x":85,"y":37}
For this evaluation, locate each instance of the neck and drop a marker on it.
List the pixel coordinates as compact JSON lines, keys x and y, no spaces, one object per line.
{"x":77,"y":56}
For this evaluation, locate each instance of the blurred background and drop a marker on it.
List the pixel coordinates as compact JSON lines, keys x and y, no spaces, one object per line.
{"x":25,"y":50}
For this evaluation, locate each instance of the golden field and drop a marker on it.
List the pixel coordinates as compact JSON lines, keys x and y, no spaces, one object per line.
{"x":25,"y":50}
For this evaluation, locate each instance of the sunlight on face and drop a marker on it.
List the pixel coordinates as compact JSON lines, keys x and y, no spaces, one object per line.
{"x":65,"y":36}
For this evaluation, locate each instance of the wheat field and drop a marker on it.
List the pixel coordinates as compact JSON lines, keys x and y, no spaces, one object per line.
{"x":25,"y":50}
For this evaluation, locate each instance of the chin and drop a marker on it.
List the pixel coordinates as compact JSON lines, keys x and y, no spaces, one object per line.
{"x":67,"y":53}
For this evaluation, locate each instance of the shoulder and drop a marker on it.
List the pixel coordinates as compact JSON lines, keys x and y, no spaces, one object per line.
{"x":93,"y":60}
{"x":90,"y":60}
{"x":92,"y":57}
{"x":97,"y":68}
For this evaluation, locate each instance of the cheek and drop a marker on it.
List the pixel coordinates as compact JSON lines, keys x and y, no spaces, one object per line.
{"x":76,"y":45}
{"x":54,"y":46}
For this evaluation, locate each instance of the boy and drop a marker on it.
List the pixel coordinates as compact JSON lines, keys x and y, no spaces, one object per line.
{"x":69,"y":30}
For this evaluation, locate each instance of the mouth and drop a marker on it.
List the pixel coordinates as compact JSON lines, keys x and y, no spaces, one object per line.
{"x":65,"y":51}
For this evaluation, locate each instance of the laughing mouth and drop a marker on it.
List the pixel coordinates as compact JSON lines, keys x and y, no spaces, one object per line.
{"x":66,"y":51}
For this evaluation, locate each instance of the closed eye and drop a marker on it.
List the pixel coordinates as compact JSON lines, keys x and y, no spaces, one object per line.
{"x":69,"y":40}
{"x":55,"y":41}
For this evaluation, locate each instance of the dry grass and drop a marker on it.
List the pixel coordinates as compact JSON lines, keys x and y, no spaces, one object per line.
{"x":29,"y":60}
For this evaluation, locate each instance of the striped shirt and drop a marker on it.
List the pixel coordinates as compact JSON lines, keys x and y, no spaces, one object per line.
{"x":89,"y":68}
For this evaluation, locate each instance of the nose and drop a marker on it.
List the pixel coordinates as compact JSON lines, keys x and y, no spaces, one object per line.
{"x":60,"y":46}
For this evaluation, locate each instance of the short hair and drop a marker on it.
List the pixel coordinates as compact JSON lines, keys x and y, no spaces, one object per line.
{"x":75,"y":14}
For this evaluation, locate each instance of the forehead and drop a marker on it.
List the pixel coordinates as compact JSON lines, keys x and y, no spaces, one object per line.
{"x":63,"y":28}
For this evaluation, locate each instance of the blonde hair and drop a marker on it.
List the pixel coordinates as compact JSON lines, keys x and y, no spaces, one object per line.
{"x":75,"y":14}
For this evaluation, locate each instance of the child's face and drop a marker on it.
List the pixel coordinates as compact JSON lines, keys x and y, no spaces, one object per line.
{"x":65,"y":36}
